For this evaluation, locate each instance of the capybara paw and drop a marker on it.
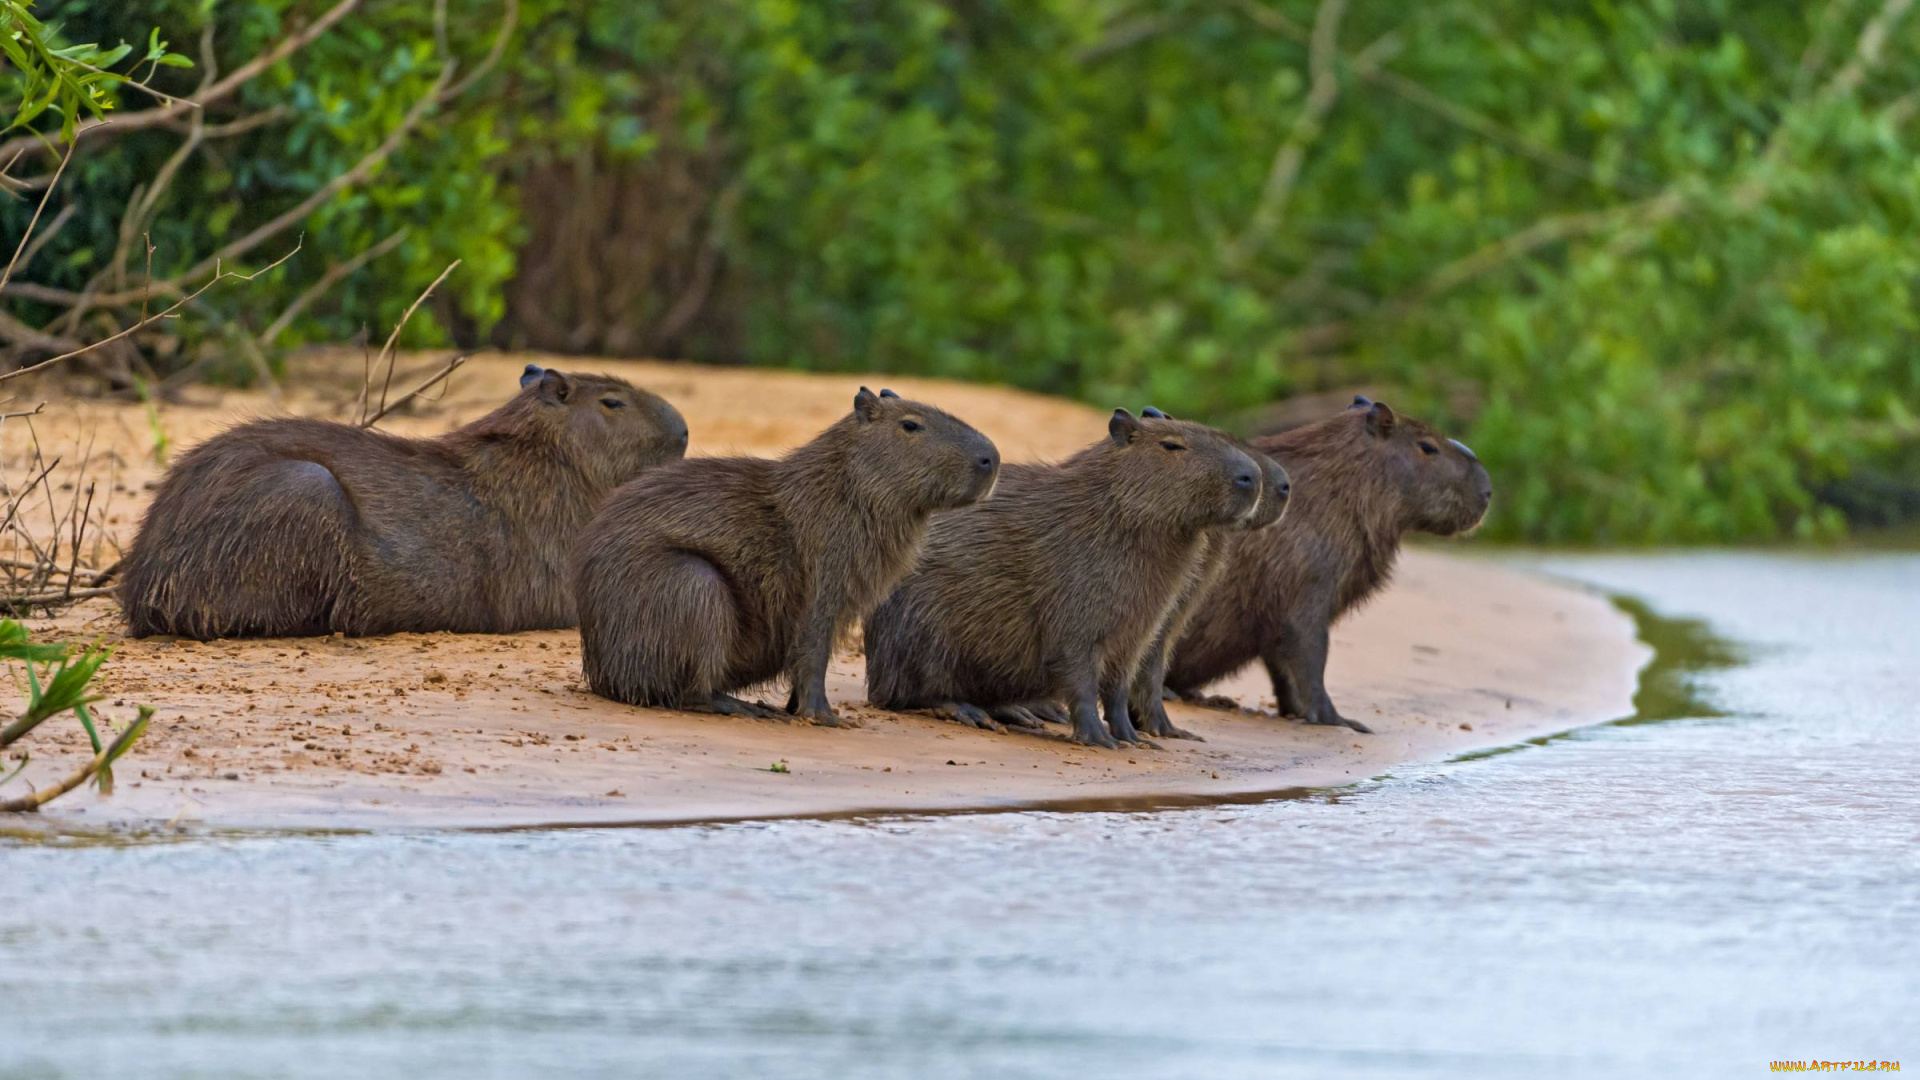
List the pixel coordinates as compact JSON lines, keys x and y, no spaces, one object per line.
{"x":824,"y":716}
{"x":1094,"y":735}
{"x":1018,"y":716}
{"x":1172,"y":732}
{"x":728,"y":705}
{"x":1049,"y":711}
{"x":970,"y":715}
{"x":1214,"y":701}
{"x":1336,"y":720}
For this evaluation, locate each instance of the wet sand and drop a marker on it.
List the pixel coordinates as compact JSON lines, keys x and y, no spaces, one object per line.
{"x":476,"y":730}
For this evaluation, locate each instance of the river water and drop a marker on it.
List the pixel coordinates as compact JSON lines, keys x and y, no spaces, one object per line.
{"x":1731,"y":879}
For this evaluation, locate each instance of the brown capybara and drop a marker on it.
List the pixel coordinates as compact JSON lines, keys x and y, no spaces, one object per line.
{"x":716,"y":574}
{"x":1052,"y":589}
{"x":1362,"y":480}
{"x":294,"y":527}
{"x":1149,"y":683}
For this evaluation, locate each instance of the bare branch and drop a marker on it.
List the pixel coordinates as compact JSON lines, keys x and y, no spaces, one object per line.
{"x":38,"y":210}
{"x":386,"y":351}
{"x":508,"y":22}
{"x":327,"y":281}
{"x":360,"y":171}
{"x":449,"y":368}
{"x":218,"y":276}
{"x":47,"y":234}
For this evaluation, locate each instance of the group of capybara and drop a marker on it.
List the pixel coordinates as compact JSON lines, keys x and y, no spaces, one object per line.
{"x":1159,"y":558}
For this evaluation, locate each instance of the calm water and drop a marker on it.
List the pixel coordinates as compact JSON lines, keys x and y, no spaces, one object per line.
{"x":1694,"y":897}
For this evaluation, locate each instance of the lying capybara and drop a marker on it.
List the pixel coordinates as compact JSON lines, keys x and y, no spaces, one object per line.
{"x":715,"y":574}
{"x":1210,"y":564}
{"x":293,"y":526}
{"x":1363,"y":480}
{"x":1052,"y":589}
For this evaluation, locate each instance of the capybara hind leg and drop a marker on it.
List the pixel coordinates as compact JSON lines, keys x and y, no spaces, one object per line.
{"x":970,"y":715}
{"x":1120,"y":719}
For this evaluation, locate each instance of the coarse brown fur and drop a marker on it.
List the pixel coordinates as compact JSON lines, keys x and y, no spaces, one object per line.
{"x":717,"y":574}
{"x":1052,"y":590}
{"x":298,"y":527}
{"x":1362,"y":480}
{"x":1210,"y":565}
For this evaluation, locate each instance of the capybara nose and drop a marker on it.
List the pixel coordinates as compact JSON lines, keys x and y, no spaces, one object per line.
{"x":984,"y":463}
{"x":1246,"y":481}
{"x":1286,"y":489}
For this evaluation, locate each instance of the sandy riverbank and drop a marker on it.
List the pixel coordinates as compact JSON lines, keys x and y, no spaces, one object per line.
{"x":442,"y":730}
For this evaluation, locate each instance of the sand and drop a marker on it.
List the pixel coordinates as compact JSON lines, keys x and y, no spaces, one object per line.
{"x":437,"y":730}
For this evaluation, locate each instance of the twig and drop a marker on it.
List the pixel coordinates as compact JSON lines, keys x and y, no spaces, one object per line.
{"x":451,"y":365}
{"x":38,"y":210}
{"x":360,"y":170}
{"x":327,"y":281}
{"x":507,"y":24}
{"x":386,"y":351}
{"x":47,"y":234}
{"x":218,"y":276}
{"x":58,"y":596}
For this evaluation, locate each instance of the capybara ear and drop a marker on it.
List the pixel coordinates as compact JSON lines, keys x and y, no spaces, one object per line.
{"x":866,"y":407}
{"x":1154,"y":413}
{"x":1122,"y":428}
{"x":555,"y":387}
{"x":888,"y":393}
{"x":532,"y":372}
{"x":1380,"y":420}
{"x":1361,"y":401}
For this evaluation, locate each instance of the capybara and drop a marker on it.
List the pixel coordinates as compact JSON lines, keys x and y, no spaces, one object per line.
{"x":292,"y":526}
{"x":1149,"y":683}
{"x":1362,"y":480}
{"x":716,"y":574}
{"x":1052,"y":590}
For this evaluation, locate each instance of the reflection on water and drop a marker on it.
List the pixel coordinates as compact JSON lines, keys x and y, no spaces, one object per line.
{"x":1689,"y":898}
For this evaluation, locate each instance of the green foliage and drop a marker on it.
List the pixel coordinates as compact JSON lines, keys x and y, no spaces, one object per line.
{"x":59,"y":682}
{"x":1654,"y":260}
{"x":68,"y":80}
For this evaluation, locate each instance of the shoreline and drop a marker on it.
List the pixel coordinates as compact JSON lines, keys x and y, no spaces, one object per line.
{"x":498,"y":732}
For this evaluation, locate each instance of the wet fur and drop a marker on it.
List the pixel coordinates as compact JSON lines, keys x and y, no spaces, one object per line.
{"x":298,"y":527}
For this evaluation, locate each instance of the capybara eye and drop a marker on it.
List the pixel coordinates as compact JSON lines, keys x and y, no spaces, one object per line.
{"x":613,"y":403}
{"x":1169,"y":444}
{"x":1428,"y":448}
{"x":909,"y":425}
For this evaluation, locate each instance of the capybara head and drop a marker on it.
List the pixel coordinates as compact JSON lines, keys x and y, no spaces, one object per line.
{"x":1443,"y":487}
{"x":927,"y":459}
{"x":1276,"y":488}
{"x":1177,"y":471}
{"x":608,"y":427}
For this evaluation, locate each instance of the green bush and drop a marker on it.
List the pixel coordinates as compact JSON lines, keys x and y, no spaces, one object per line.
{"x":1653,"y":260}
